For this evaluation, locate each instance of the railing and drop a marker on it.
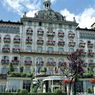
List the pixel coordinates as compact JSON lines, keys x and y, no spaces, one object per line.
{"x":5,"y":62}
{"x":60,"y":34}
{"x":16,"y":40}
{"x":29,"y":32}
{"x":16,"y":50}
{"x":15,"y":62}
{"x":50,"y":42}
{"x":90,"y":54}
{"x":72,"y":44}
{"x":82,"y":45}
{"x":5,"y":50}
{"x":71,"y":35}
{"x":7,"y":40}
{"x":50,"y":33}
{"x":89,"y":45}
{"x":61,"y":64}
{"x":41,"y":42}
{"x":28,"y":41}
{"x":28,"y":63}
{"x":40,"y":32}
{"x":61,"y":43}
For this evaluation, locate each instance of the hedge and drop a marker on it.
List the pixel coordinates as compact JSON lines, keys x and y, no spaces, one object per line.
{"x":32,"y":94}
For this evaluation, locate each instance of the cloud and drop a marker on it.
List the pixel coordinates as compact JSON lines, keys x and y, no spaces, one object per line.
{"x":31,"y":13}
{"x":53,"y":1}
{"x":20,"y":6}
{"x":85,"y":19}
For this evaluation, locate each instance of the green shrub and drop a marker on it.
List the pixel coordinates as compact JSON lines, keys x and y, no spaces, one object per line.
{"x":24,"y":92}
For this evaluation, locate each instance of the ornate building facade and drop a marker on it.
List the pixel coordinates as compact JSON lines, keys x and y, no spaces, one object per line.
{"x":39,"y":46}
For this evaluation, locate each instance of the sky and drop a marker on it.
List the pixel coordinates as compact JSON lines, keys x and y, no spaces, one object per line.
{"x":82,"y":10}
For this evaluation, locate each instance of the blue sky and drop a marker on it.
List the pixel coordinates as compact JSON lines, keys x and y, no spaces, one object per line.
{"x":82,"y":10}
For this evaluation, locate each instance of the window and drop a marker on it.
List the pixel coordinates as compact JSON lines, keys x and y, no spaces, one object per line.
{"x":50,"y":60}
{"x":27,"y":85}
{"x":29,"y":48}
{"x":29,"y":23}
{"x":40,"y":23}
{"x":61,"y":49}
{"x":71,"y":49}
{"x":39,"y":60}
{"x":39,"y":49}
{"x":39,"y":64}
{"x":89,"y":50}
{"x":27,"y":70}
{"x":6,"y":57}
{"x":60,"y":25}
{"x":61,"y":60}
{"x":4,"y":70}
{"x":50,"y":49}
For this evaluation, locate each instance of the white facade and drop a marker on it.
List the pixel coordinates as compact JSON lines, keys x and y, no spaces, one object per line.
{"x":41,"y":43}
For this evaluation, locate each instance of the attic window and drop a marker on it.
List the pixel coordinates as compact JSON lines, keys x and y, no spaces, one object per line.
{"x":40,"y":23}
{"x":60,"y":25}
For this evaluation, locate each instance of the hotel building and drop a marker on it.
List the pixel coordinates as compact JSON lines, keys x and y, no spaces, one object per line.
{"x":39,"y":45}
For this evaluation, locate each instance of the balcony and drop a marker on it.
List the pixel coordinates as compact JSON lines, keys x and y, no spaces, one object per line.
{"x":40,"y":42}
{"x":50,"y":33}
{"x":71,"y":35}
{"x":90,"y":54}
{"x":15,"y":62}
{"x":7,"y":40}
{"x":27,"y":63}
{"x":51,"y":42}
{"x":83,"y":54}
{"x":72,"y":44}
{"x":51,"y":64}
{"x":28,"y":41}
{"x":82,"y":44}
{"x":5,"y":50}
{"x":40,"y":33}
{"x":29,"y":32}
{"x":61,"y":43}
{"x":16,"y":50}
{"x":92,"y":64}
{"x":3,"y":76}
{"x":89,"y":45}
{"x":60,"y":34}
{"x":5,"y":62}
{"x":16,"y":40}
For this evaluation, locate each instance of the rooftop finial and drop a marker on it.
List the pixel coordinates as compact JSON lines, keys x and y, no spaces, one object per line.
{"x":47,"y":4}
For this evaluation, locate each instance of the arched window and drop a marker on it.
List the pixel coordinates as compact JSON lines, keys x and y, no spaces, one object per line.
{"x":51,"y":62}
{"x":29,"y":31}
{"x":7,"y":39}
{"x":16,"y":49}
{"x":39,"y":64}
{"x":60,"y":33}
{"x":17,"y":39}
{"x":6,"y":48}
{"x":39,"y":61}
{"x":40,"y":31}
{"x":50,"y":49}
{"x":29,"y":48}
{"x":28,"y":61}
{"x":5,"y":60}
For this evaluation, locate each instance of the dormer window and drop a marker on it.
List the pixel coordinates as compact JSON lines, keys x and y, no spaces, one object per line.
{"x":40,"y":23}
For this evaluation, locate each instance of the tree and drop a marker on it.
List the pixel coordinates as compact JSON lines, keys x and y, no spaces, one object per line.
{"x":74,"y":68}
{"x":11,"y":68}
